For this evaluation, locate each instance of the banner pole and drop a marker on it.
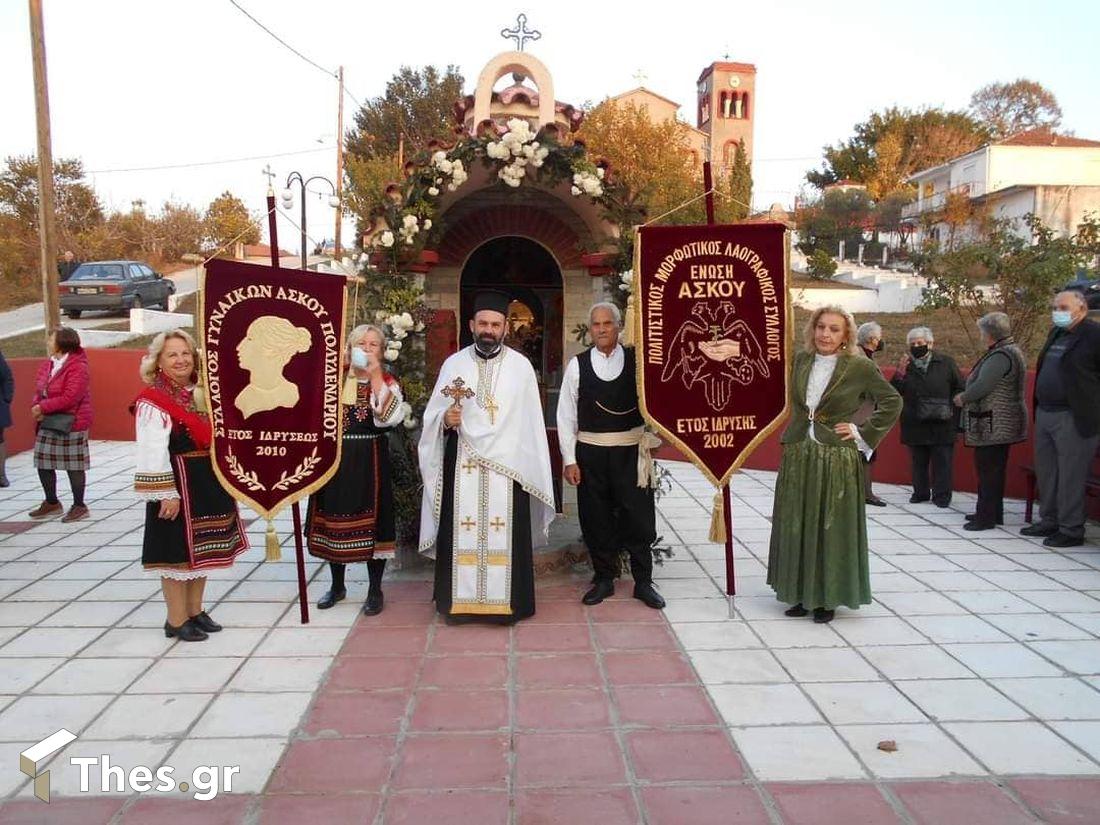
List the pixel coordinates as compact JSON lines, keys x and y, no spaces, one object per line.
{"x":727,"y":516}
{"x":299,"y":555}
{"x":727,"y":510}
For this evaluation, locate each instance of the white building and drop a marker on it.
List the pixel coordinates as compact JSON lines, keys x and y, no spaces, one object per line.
{"x":1052,"y":176}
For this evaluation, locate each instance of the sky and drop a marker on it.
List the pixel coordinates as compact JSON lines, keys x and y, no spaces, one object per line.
{"x":154,"y":83}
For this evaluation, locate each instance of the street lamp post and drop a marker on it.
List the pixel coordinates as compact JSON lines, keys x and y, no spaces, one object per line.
{"x":288,"y":200}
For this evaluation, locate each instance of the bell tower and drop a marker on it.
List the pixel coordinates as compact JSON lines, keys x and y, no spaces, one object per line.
{"x":725,"y":108}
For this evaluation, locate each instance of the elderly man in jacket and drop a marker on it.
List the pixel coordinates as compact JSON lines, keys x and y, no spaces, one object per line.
{"x":1067,"y":420}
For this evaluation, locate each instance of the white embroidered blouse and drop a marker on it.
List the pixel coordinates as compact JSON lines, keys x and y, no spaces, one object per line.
{"x":153,"y":478}
{"x":820,"y":375}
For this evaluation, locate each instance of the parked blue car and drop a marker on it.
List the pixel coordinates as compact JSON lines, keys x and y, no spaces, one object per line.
{"x":113,"y":286}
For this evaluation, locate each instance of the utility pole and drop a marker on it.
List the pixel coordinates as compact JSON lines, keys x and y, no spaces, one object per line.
{"x":339,"y":163}
{"x":47,"y":241}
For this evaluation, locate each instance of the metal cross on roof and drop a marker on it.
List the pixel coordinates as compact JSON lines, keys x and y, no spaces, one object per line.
{"x":521,"y":34}
{"x":641,"y":77}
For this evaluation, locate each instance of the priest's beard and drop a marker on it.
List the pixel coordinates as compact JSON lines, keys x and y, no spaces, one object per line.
{"x":488,"y":345}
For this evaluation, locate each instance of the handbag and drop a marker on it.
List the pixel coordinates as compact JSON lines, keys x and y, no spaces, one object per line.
{"x":60,"y":423}
{"x":934,"y":409}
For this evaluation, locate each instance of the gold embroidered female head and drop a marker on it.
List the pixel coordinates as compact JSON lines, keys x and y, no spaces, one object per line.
{"x":264,"y":352}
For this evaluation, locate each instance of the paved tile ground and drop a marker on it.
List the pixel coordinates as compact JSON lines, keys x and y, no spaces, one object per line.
{"x":980,"y":658}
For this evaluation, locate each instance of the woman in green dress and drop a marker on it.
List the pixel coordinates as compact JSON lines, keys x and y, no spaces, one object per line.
{"x":818,"y":554}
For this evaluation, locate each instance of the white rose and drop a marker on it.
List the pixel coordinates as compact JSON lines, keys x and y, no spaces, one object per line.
{"x":407,"y":319}
{"x":451,"y":187}
{"x":386,"y":239}
{"x":458,"y":165}
{"x":433,"y":190}
{"x":395,"y":344}
{"x":399,"y":334}
{"x":411,"y":423}
{"x":600,"y":172}
{"x":427,"y":222}
{"x":363,"y":257}
{"x":380,"y":316}
{"x":445,"y":167}
{"x":391,"y":355}
{"x":575,"y":190}
{"x":439,"y":156}
{"x":409,"y":241}
{"x":409,"y":220}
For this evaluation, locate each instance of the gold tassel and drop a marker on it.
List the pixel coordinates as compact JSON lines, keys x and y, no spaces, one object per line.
{"x":717,"y":521}
{"x":351,"y":390}
{"x":274,"y":553}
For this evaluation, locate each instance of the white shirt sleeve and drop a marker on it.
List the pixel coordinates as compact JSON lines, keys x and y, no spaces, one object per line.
{"x":567,"y":412}
{"x":389,"y":410}
{"x":153,"y":476}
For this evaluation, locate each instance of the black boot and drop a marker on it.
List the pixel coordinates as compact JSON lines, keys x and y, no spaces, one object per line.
{"x":336,"y":593}
{"x":796,"y":612}
{"x":823,"y":616}
{"x":646,"y":593}
{"x":601,"y":589}
{"x":3,"y":462}
{"x":376,"y":569}
{"x":186,"y":632}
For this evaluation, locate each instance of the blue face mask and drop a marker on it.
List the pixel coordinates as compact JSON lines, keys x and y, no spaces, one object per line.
{"x":358,"y":358}
{"x":1061,"y":318}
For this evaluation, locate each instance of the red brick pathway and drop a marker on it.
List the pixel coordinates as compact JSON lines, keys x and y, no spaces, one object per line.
{"x":580,"y":715}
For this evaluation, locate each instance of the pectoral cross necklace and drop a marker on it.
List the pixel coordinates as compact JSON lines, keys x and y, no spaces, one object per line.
{"x":494,"y":366}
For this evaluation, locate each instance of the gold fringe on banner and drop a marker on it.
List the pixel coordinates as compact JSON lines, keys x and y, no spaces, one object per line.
{"x":717,"y":521}
{"x":274,"y":553}
{"x":351,"y":389}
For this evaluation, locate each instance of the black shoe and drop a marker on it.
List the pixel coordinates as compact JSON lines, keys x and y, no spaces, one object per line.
{"x":975,"y":525}
{"x":875,"y":501}
{"x":943,"y":505}
{"x":205,"y":623}
{"x":823,"y":616}
{"x":647,"y":594}
{"x":796,"y":612}
{"x":915,"y":499}
{"x":375,"y":602}
{"x":1038,"y":531}
{"x":331,"y":597}
{"x":601,"y":589}
{"x":1062,"y":540}
{"x":974,"y":516}
{"x":186,"y":632}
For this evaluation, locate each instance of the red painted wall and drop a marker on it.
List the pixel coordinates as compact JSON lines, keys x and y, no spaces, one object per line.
{"x":115,"y":383}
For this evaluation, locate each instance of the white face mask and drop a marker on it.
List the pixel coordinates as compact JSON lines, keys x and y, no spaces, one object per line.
{"x":359,"y":358}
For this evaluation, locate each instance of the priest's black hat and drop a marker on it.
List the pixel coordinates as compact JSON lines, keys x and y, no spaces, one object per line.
{"x":492,"y":299}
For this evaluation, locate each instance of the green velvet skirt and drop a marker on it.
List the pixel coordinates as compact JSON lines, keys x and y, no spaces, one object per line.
{"x":818,"y":553}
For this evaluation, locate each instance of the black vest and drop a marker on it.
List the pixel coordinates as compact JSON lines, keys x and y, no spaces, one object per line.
{"x":607,"y":406}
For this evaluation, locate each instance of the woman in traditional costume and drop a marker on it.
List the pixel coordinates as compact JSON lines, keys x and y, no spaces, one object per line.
{"x":351,"y":518}
{"x":191,"y":523}
{"x":818,"y":554}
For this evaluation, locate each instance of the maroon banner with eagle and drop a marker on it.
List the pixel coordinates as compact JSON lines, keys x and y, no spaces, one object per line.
{"x":273,"y":344}
{"x":712,"y":320}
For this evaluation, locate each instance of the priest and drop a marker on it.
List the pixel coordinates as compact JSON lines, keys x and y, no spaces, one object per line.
{"x":488,"y":487}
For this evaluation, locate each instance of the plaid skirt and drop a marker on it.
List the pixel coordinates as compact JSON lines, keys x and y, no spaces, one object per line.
{"x":54,"y":451}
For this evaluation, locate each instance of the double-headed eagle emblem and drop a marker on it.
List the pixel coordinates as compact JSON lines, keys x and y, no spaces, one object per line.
{"x":717,"y":350}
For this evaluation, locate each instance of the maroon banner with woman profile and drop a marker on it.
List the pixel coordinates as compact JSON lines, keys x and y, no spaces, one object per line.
{"x":273,"y":344}
{"x":712,"y":320}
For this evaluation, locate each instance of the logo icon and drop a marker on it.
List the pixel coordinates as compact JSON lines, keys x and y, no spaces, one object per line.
{"x":30,"y":759}
{"x":717,"y":350}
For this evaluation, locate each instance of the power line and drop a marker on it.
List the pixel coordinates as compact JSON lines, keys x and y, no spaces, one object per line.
{"x":286,"y":45}
{"x":206,"y":162}
{"x":283,"y":43}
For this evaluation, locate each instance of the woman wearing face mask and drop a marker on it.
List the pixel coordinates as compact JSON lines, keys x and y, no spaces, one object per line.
{"x":869,"y":336}
{"x":351,"y":518}
{"x":995,"y":416}
{"x":927,"y":382}
{"x":818,"y":554}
